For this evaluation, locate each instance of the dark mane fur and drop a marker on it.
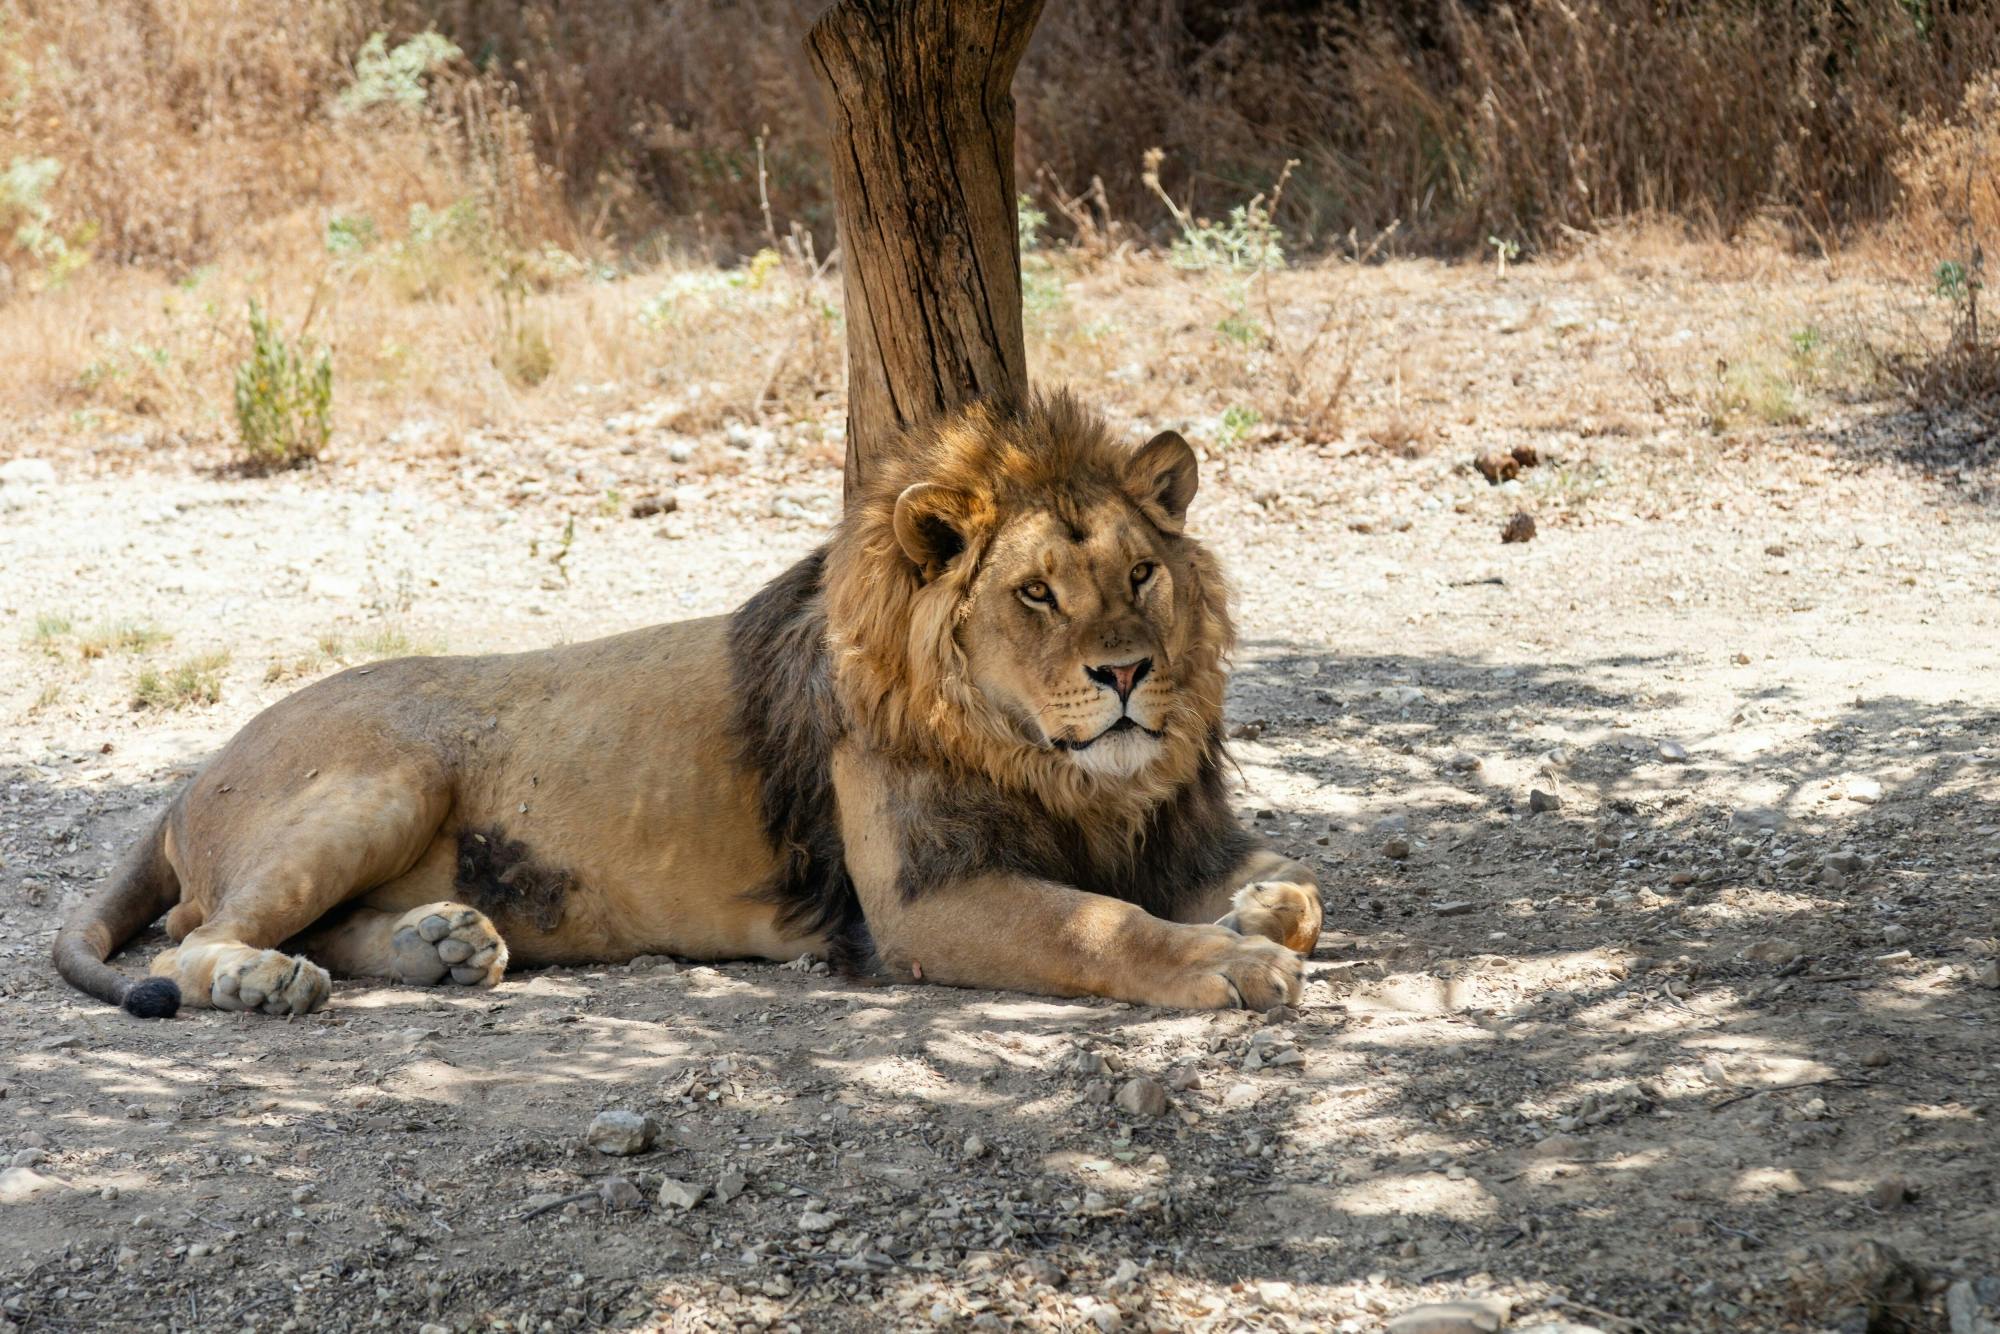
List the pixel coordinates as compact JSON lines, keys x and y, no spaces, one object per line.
{"x":1188,"y":844}
{"x":787,"y":721}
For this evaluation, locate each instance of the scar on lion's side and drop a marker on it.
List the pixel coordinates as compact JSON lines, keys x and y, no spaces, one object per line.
{"x":501,"y":878}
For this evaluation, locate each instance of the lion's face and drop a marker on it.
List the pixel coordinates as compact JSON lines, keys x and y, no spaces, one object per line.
{"x":1075,"y":606}
{"x":1070,"y":633}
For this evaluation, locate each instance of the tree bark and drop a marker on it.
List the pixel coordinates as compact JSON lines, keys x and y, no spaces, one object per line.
{"x":922,"y":154}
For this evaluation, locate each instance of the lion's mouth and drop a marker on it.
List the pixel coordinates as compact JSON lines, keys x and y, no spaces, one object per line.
{"x":1123,"y":725}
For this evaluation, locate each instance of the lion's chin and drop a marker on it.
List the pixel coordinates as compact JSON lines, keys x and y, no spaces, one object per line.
{"x":1118,"y":754}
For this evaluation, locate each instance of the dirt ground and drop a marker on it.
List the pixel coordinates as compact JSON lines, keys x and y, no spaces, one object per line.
{"x":1665,"y":1047}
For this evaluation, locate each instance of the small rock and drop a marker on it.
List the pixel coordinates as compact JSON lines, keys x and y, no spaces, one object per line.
{"x":815,"y":1220}
{"x":1967,"y":1313}
{"x":1497,"y":467}
{"x":1396,"y":848}
{"x":1142,"y":1097}
{"x":729,"y":1185}
{"x":1864,"y":790}
{"x":1757,"y":817}
{"x":1238,"y":1096}
{"x":645,"y":507}
{"x":18,"y":1185}
{"x":1038,"y":1270}
{"x":1453,"y":907}
{"x":1483,"y":1315}
{"x":684,"y":1195}
{"x":1875,"y":1056}
{"x":29,"y":1158}
{"x":621,"y":1133}
{"x":974,"y":1147}
{"x":1987,"y":975}
{"x":1540,"y":802}
{"x":1780,"y":952}
{"x":1182,"y":1078}
{"x":1890,"y":1193}
{"x":1895,"y":935}
{"x":27,"y":472}
{"x":1089,"y":1063}
{"x":127,"y":1258}
{"x":1673,"y":752}
{"x":617,"y":1193}
{"x":652,"y":963}
{"x":1559,"y":1327}
{"x":305,"y":1194}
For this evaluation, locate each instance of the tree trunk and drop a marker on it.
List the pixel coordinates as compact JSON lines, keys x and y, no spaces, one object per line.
{"x":923,"y":184}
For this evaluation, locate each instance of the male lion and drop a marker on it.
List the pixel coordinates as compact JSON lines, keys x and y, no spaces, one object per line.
{"x":973,"y":739}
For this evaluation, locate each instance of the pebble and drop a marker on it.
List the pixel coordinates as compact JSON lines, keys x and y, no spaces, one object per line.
{"x":1540,"y":802}
{"x":1182,"y":1078}
{"x":729,"y":1185}
{"x":1973,"y":1308}
{"x":814,"y":1220}
{"x":1864,"y":790}
{"x":1987,"y":975}
{"x":1673,"y":752}
{"x":1774,"y":950}
{"x":18,"y":1185}
{"x":27,"y":472}
{"x":1890,"y":1193}
{"x":621,"y":1133}
{"x":29,"y":1158}
{"x":974,"y":1147}
{"x":681,"y":1194}
{"x":1396,"y":848}
{"x":1482,"y":1315}
{"x":1142,"y":1097}
{"x":1520,"y":528}
{"x":617,"y":1193}
{"x":1875,"y":1056}
{"x":1088,"y":1063}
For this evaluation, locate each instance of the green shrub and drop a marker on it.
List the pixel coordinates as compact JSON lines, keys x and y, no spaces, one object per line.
{"x":284,"y":398}
{"x":395,"y":76}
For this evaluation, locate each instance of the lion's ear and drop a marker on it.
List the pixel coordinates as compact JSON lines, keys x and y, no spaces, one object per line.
{"x":1164,"y":474}
{"x":933,"y":524}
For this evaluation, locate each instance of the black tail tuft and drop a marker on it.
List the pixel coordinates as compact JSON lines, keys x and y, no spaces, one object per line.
{"x":154,"y":998}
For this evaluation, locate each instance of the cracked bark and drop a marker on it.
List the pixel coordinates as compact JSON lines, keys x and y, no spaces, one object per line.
{"x":922,"y":152}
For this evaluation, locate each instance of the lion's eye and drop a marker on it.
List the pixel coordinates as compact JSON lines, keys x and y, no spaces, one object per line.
{"x":1142,"y":572}
{"x":1038,"y":593}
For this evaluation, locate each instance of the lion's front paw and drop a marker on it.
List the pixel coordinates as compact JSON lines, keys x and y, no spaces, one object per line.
{"x":1280,"y":910}
{"x":266,"y":980}
{"x":441,"y":940}
{"x":1222,"y":970}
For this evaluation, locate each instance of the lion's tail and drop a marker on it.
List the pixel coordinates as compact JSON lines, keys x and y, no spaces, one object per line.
{"x":143,"y":887}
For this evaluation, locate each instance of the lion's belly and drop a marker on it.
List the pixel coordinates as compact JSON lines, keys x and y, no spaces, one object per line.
{"x":611,"y":816}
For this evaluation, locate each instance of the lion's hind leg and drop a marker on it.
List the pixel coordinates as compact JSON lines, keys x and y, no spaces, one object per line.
{"x":278,"y":869}
{"x":427,"y":945}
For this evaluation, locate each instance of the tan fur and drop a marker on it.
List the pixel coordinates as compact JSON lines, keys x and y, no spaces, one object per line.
{"x":603,"y":783}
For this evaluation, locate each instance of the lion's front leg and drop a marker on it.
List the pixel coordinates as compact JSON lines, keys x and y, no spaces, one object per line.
{"x":1269,"y":896}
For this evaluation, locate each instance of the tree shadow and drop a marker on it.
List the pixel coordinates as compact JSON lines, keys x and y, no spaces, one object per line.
{"x":1638,"y":1060}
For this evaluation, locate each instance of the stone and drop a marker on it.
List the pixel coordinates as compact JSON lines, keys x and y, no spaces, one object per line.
{"x":1089,"y":1063}
{"x":1890,"y":1193}
{"x":1540,"y":802}
{"x":27,"y":472}
{"x":1142,"y":1097}
{"x":974,"y":1147}
{"x":1481,"y":1315}
{"x":18,"y":1185}
{"x":1673,"y":752}
{"x":617,"y":1193}
{"x":1774,"y":950}
{"x":1875,"y":1056}
{"x":29,"y":1158}
{"x":1519,"y":528}
{"x":1967,"y":1313}
{"x":1987,"y":975}
{"x":1182,"y":1078}
{"x":816,"y":1220}
{"x":1865,"y":790}
{"x":1559,"y":1327}
{"x":729,"y":1185}
{"x":620,"y":1133}
{"x":684,"y":1195}
{"x":1453,"y":907}
{"x":1396,"y":848}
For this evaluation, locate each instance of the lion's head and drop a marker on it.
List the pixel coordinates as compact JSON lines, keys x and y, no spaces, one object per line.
{"x":1017,"y":592}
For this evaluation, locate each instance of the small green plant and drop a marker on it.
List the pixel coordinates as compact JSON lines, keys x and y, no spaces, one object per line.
{"x":1028,"y":224}
{"x":394,"y":76}
{"x":28,"y":218}
{"x":1240,"y":328}
{"x":284,"y":398}
{"x":49,"y":627}
{"x":195,"y":681}
{"x":1505,"y":252}
{"x":120,"y":637}
{"x":559,"y":557}
{"x":1237,"y":423}
{"x":349,"y":234}
{"x":1249,"y":241}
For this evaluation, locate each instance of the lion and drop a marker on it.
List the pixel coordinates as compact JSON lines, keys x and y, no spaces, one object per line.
{"x":973,"y":739}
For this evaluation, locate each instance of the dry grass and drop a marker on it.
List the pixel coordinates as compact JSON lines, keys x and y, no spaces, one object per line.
{"x":194,"y":681}
{"x":532,"y":224}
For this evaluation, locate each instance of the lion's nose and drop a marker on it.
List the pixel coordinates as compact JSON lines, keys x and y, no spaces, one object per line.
{"x":1123,"y":677}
